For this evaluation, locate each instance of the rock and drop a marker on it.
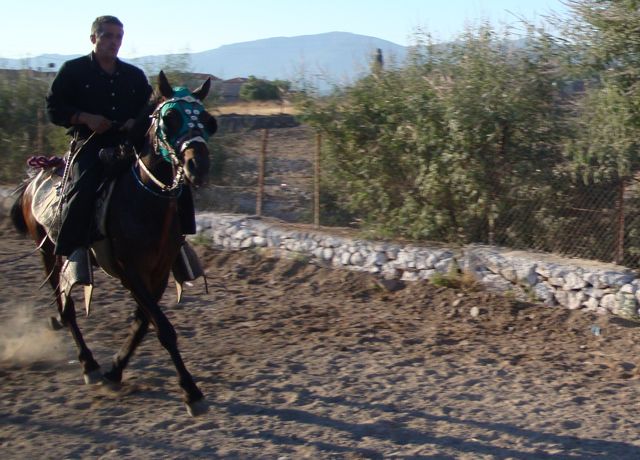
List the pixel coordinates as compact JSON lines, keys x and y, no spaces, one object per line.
{"x":627,"y":307}
{"x":392,"y":252}
{"x":556,"y":281}
{"x":356,"y":259}
{"x":591,"y":304}
{"x":509,"y":273}
{"x":628,"y":289}
{"x":380,"y":258}
{"x":526,"y":274}
{"x":615,"y":279}
{"x":445,"y":265}
{"x":594,"y":280}
{"x":573,"y":281}
{"x":562,"y":297}
{"x":260,"y":241}
{"x":496,"y":282}
{"x":544,"y":292}
{"x":390,"y":272}
{"x":609,"y":302}
{"x":410,"y":276}
{"x":596,"y":293}
{"x":575,"y":299}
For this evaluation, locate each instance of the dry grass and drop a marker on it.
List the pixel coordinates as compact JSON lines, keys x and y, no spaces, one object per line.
{"x":255,"y":108}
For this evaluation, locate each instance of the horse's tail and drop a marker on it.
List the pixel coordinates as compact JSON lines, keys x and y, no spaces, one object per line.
{"x":17,"y":215}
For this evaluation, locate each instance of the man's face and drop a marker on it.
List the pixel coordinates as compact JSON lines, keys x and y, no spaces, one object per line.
{"x":107,"y":41}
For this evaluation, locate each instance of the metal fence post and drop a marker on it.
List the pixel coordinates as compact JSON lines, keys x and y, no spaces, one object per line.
{"x":619,"y":249}
{"x":316,"y":182}
{"x":261,"y":164}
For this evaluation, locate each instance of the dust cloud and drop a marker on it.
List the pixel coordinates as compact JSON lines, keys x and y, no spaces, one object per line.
{"x":26,"y":338}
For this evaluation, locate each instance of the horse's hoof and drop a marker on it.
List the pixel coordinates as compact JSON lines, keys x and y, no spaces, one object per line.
{"x":55,"y":324}
{"x":93,"y":377}
{"x":198,"y":407}
{"x":111,"y":384}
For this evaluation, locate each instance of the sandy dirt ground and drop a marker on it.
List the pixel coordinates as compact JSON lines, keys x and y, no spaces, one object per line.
{"x":299,"y":361}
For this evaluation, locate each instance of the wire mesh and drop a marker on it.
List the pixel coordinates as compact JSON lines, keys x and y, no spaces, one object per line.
{"x":597,"y":221}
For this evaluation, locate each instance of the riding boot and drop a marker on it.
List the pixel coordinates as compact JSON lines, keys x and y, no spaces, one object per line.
{"x":77,"y":270}
{"x":187,"y":267}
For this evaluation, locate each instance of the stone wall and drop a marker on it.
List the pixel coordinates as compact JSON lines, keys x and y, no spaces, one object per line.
{"x":570,"y":283}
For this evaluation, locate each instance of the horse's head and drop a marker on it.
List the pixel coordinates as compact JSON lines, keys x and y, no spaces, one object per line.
{"x":182,"y":127}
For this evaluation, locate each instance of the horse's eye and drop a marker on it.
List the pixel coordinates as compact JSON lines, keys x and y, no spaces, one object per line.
{"x":172,"y":121}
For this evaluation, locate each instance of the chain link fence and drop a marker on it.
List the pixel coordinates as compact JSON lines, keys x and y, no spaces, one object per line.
{"x":598,"y":222}
{"x":288,"y":173}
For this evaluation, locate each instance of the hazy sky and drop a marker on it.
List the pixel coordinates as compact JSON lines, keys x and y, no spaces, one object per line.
{"x":33,"y":27}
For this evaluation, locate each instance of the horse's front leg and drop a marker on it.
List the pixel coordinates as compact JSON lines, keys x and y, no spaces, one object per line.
{"x":167,"y":336}
{"x":90,"y":367}
{"x":139,"y":329}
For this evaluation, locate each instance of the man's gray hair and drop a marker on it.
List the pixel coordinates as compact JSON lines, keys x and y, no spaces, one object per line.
{"x":96,"y":27}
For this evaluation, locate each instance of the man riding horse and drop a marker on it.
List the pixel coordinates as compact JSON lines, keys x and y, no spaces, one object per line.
{"x":104,"y":103}
{"x":98,"y":97}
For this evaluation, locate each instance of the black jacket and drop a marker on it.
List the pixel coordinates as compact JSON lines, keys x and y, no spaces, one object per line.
{"x":82,"y":86}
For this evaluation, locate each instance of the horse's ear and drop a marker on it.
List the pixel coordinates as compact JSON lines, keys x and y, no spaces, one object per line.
{"x":163,"y":86}
{"x":202,"y":92}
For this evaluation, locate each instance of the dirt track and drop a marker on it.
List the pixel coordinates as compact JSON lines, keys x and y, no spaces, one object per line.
{"x":298,"y":361}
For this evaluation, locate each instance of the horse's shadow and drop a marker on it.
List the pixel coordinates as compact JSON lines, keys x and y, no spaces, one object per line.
{"x":622,"y":322}
{"x":401,"y":435}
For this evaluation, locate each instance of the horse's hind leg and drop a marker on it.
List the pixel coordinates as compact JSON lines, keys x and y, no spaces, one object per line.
{"x":67,"y":316}
{"x":139,"y":329}
{"x":25,"y":222}
{"x":52,"y":270}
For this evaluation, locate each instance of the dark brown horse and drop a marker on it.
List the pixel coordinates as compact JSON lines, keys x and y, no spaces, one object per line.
{"x":143,"y":231}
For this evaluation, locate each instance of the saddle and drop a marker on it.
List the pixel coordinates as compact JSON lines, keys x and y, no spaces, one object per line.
{"x":77,"y":270}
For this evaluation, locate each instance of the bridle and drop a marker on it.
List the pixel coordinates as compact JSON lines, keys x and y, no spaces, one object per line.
{"x":171,"y":149}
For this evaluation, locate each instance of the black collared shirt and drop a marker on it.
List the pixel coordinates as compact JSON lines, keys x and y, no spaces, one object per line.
{"x":82,"y":86}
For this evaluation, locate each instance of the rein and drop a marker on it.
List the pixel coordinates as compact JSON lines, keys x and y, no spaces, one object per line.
{"x":166,"y":191}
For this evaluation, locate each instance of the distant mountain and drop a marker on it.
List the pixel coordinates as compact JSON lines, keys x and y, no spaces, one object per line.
{"x":336,"y":57}
{"x":43,"y":62}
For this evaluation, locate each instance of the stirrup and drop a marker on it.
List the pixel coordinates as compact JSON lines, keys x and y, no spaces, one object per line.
{"x":77,"y":270}
{"x":187,"y":267}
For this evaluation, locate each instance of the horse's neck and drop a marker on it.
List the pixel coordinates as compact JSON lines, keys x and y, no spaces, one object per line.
{"x":161,"y":169}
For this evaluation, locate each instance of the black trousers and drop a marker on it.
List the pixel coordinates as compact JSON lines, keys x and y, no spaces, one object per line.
{"x":186,"y":211}
{"x":79,"y":197}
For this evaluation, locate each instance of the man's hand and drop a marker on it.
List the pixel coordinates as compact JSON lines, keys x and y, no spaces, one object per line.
{"x":96,"y":123}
